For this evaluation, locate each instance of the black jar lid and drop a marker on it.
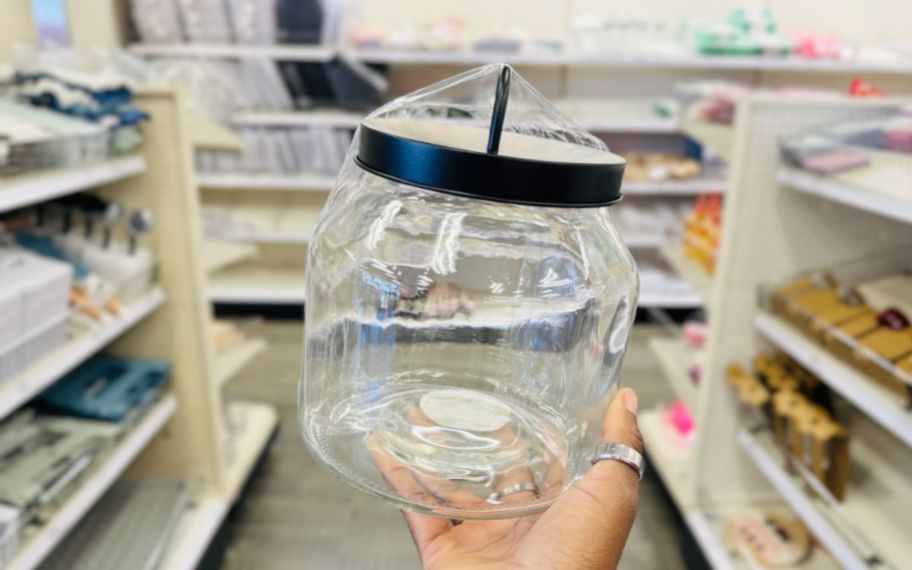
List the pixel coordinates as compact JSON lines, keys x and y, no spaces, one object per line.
{"x":454,"y":157}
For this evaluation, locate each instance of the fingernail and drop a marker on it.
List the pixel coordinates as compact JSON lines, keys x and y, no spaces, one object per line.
{"x":630,"y":401}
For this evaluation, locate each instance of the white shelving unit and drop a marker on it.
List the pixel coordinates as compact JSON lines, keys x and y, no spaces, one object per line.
{"x":30,"y":382}
{"x":230,"y":362}
{"x":857,"y":531}
{"x":97,"y":481}
{"x":250,"y":182}
{"x":263,"y":236}
{"x":30,"y":189}
{"x":674,"y":465}
{"x":847,"y":190}
{"x":256,"y":285}
{"x":773,"y":233}
{"x":674,"y":187}
{"x":259,"y":424}
{"x":220,"y":254}
{"x":882,"y":406}
{"x":195,"y":530}
{"x":289,"y":52}
{"x":681,"y":59}
{"x":668,"y":300}
{"x":701,"y":281}
{"x":675,"y":359}
{"x":312,"y":118}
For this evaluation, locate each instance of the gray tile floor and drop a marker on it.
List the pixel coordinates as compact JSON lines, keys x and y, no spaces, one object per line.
{"x":295,"y":516}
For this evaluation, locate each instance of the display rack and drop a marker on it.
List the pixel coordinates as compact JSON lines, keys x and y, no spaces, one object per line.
{"x":230,"y":362}
{"x":771,"y":234}
{"x":30,"y":382}
{"x":854,"y":189}
{"x":36,"y":548}
{"x":30,"y":189}
{"x":674,"y":187}
{"x":700,"y":280}
{"x":220,"y":254}
{"x":251,"y":182}
{"x":675,"y":358}
{"x":881,"y":405}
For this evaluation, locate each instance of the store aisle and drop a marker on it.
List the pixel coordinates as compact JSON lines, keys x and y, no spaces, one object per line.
{"x":295,"y":516}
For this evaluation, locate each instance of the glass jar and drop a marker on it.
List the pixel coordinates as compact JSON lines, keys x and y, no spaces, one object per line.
{"x":469,"y":302}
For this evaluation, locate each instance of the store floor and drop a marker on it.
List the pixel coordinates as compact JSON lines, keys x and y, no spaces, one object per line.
{"x":295,"y":516}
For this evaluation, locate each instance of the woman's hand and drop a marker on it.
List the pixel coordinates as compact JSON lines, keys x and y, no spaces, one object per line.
{"x":586,"y":527}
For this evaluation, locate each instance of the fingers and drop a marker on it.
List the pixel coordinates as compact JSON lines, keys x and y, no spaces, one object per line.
{"x":424,"y":529}
{"x":596,"y":513}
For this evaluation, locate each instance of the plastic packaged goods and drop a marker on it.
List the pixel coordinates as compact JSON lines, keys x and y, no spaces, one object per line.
{"x":299,"y":21}
{"x":205,"y":21}
{"x":466,"y":320}
{"x":281,"y":151}
{"x":157,"y":21}
{"x":253,"y":21}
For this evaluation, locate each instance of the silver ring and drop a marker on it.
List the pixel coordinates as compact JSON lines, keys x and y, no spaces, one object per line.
{"x":619,"y":452}
{"x":513,"y":489}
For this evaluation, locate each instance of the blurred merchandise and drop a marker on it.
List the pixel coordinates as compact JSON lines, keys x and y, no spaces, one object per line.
{"x":768,"y":539}
{"x":658,"y":167}
{"x":866,"y":325}
{"x":747,"y":32}
{"x":286,"y":151}
{"x":797,"y":406}
{"x":703,"y":230}
{"x":106,"y":388}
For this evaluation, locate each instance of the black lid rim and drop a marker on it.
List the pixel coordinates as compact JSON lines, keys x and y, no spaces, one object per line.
{"x":486,"y":176}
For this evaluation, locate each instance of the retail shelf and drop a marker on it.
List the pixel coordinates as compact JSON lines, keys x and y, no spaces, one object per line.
{"x":674,"y":465}
{"x":675,"y":60}
{"x":717,"y":137}
{"x":674,"y":187}
{"x":46,"y":371}
{"x":709,"y":540}
{"x":701,"y":281}
{"x":20,"y":191}
{"x":195,"y":530}
{"x":38,"y":546}
{"x":246,"y":182}
{"x":309,"y":118}
{"x":219,"y":254}
{"x":875,"y":504}
{"x":645,"y":241}
{"x":262,"y":236}
{"x":850,"y":189}
{"x":228,"y":363}
{"x":207,"y":134}
{"x":669,"y":300}
{"x":617,"y":125}
{"x":288,"y":52}
{"x":258,"y":423}
{"x":882,"y":406}
{"x":252,"y":285}
{"x":675,"y":358}
{"x":682,"y":59}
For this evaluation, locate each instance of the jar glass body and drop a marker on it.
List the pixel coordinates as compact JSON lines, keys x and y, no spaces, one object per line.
{"x":459,"y":352}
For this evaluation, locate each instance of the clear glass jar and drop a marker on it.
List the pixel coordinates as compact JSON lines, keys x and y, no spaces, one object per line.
{"x":460,"y":351}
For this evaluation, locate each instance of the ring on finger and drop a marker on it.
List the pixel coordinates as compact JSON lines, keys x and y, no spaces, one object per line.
{"x":513,"y":489}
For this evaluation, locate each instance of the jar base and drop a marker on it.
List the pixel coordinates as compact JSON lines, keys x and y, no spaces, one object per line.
{"x":446,"y":449}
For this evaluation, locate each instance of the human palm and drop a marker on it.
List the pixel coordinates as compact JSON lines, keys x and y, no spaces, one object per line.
{"x":585,"y":528}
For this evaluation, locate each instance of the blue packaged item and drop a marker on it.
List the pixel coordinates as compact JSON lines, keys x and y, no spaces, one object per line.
{"x":106,"y":388}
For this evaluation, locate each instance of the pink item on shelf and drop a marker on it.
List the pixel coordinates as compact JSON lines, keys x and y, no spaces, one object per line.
{"x":695,"y":372}
{"x":899,"y":137}
{"x":835,"y":162}
{"x":680,"y":419}
{"x":695,"y":333}
{"x":818,"y":47}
